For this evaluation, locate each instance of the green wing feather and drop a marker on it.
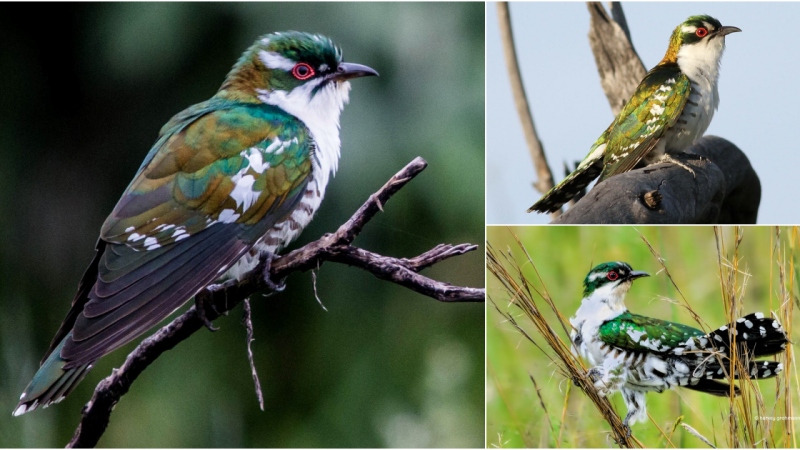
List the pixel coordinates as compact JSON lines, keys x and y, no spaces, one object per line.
{"x":219,"y":177}
{"x":653,"y":109}
{"x":189,"y":181}
{"x":632,"y":332}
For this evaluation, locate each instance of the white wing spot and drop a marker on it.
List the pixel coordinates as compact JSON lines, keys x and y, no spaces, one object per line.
{"x":228,"y":216}
{"x":151,"y":243}
{"x":255,"y":159}
{"x":135,"y":237}
{"x":657,"y":110}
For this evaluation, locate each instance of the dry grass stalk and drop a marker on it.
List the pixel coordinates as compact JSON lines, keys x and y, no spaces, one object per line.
{"x":522,"y":294}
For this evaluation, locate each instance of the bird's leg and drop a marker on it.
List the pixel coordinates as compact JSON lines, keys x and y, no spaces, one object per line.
{"x":669,"y":159}
{"x":281,"y":285}
{"x":201,"y":299}
{"x":625,"y":424}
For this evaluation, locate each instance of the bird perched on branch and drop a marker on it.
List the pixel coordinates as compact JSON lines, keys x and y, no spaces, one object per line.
{"x":635,"y":354}
{"x":228,"y":181}
{"x":670,"y":110}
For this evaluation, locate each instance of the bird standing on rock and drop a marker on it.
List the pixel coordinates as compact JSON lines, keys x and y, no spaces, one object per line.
{"x":670,"y":110}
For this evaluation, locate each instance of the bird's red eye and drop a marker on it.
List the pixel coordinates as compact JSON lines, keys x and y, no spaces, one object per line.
{"x":701,"y":32}
{"x":303,"y":71}
{"x":612,"y":276}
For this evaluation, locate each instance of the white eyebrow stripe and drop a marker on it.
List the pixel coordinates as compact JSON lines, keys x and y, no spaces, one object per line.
{"x":275,"y":61}
{"x":709,"y":27}
{"x":689,"y":29}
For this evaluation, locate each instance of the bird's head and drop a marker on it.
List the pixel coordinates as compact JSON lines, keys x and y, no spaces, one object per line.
{"x":698,"y":39}
{"x":610,"y":280}
{"x":295,"y":71}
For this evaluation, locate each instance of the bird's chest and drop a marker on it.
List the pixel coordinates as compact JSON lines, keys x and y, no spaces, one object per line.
{"x":695,"y":117}
{"x":586,"y":328}
{"x":289,"y":228}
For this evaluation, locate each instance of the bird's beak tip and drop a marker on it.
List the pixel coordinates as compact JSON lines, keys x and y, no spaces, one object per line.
{"x":728,"y":30}
{"x":347,"y":71}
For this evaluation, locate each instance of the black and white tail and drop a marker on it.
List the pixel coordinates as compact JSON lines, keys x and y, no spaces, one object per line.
{"x":761,"y":336}
{"x":756,"y":336}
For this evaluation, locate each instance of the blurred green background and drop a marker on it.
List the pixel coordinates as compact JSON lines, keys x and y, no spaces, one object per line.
{"x":85,"y":89}
{"x":563,"y":257}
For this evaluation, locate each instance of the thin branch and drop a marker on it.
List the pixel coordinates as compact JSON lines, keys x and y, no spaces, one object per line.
{"x":221,"y":298}
{"x":248,"y":323}
{"x":545,"y":177}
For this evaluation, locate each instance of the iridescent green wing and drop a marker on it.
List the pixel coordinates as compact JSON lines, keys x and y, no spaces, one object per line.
{"x":219,"y":178}
{"x":654,"y":108}
{"x":233,"y":165}
{"x":635,"y":333}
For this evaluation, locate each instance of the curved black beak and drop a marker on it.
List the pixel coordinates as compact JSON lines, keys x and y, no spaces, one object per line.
{"x":346,"y":71}
{"x":636,"y":274}
{"x":727,"y":30}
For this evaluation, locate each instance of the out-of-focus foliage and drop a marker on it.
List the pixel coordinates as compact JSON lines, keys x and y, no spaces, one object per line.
{"x":563,"y":256}
{"x":85,"y":89}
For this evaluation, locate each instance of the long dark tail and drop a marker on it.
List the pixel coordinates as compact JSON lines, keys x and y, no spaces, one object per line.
{"x":51,"y":383}
{"x":570,"y":187}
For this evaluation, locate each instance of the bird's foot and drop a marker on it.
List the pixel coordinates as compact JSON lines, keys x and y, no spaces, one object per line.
{"x":200,"y":301}
{"x":626,"y":426}
{"x":281,"y":285}
{"x":596,"y":375}
{"x":669,"y":159}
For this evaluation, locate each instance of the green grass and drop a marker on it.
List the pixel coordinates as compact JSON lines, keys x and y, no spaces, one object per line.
{"x":563,"y":256}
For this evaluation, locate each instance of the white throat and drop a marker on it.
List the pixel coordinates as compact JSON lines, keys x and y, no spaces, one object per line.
{"x":320,"y":113}
{"x":605,"y":302}
{"x":700,"y":61}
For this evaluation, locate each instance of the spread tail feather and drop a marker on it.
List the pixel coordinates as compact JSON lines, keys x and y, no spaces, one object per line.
{"x":587,"y":171}
{"x":51,"y":383}
{"x":760,"y":335}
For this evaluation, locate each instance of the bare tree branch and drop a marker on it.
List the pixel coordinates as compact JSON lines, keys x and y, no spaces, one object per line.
{"x":219,"y":299}
{"x":545,"y":177}
{"x":619,"y":66}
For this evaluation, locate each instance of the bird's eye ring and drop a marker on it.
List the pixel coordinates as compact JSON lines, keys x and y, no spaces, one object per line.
{"x":302,"y":71}
{"x":701,"y":32}
{"x":612,"y":276}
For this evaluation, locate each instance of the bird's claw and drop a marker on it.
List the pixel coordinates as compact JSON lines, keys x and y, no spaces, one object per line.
{"x":627,"y":427}
{"x":668,"y":159}
{"x":277,"y":287}
{"x":200,"y":302}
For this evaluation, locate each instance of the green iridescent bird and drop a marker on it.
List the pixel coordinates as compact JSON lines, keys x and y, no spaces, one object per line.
{"x":636,"y":354}
{"x":670,"y":110}
{"x":228,"y":180}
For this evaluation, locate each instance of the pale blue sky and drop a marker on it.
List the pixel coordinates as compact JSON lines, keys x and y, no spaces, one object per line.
{"x":759,"y":94}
